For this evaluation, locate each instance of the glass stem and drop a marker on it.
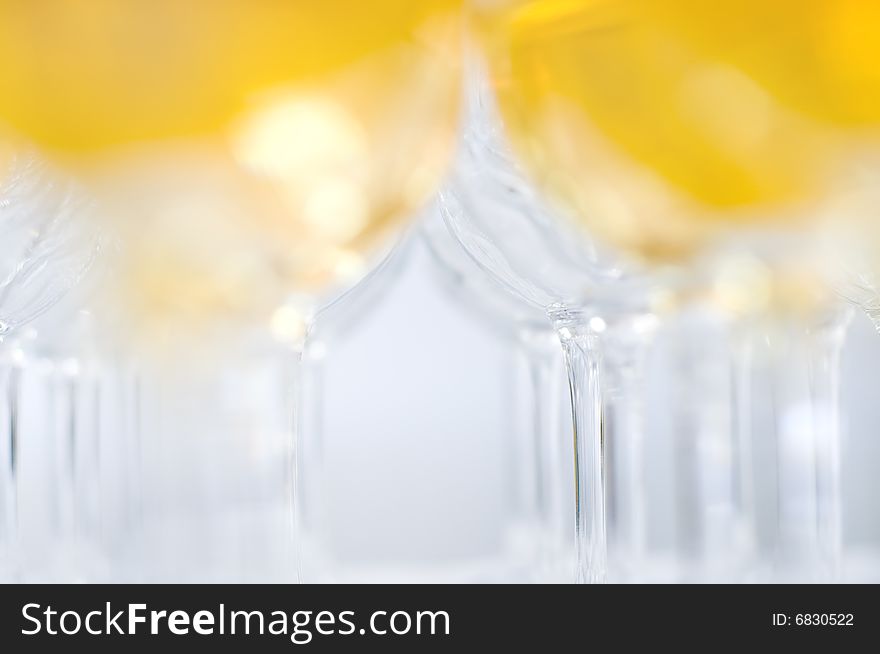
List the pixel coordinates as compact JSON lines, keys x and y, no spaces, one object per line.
{"x":606,"y":360}
{"x":795,"y":397}
{"x":709,"y":536}
{"x":825,"y":340}
{"x":9,"y":433}
{"x":62,"y":409}
{"x":581,"y":347}
{"x":742,"y":414}
{"x":78,"y":438}
{"x":299,"y":471}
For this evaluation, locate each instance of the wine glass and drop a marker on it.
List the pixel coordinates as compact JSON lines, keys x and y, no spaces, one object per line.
{"x":709,"y":139}
{"x":511,"y":233}
{"x":247,"y":157}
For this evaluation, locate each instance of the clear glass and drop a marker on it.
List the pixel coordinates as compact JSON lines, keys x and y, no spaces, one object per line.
{"x":167,"y":470}
{"x":629,"y":115}
{"x":608,"y":315}
{"x":580,"y":348}
{"x":585,"y":295}
{"x":261,"y":177}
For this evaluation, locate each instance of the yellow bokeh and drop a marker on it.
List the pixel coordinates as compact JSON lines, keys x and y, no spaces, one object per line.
{"x":88,"y":75}
{"x":660,"y":122}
